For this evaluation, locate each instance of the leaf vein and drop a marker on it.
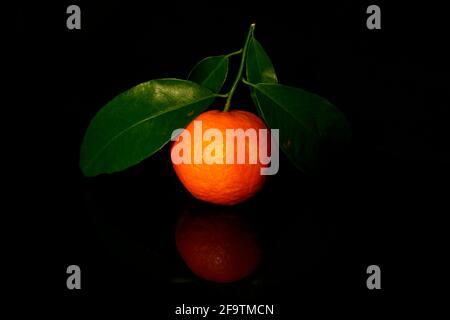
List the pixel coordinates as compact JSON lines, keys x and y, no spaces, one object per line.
{"x":89,"y":163}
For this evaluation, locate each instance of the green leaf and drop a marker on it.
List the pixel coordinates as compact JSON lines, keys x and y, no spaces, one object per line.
{"x":210,"y":72}
{"x":310,"y":126}
{"x":139,"y":122}
{"x":259,"y":67}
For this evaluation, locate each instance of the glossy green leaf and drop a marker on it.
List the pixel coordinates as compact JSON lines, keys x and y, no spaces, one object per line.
{"x":139,"y":122}
{"x":308,"y":124}
{"x":211,"y":72}
{"x":259,"y":67}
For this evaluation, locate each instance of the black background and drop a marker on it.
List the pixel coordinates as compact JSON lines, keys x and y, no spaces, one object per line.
{"x":378,"y":206}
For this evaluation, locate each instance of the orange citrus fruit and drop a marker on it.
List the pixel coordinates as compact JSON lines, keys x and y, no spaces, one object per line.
{"x":223,"y":181}
{"x":217,"y":246}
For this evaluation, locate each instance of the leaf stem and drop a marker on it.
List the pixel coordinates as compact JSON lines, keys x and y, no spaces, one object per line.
{"x":234,"y":53}
{"x":225,"y":95}
{"x":241,"y":69}
{"x":248,"y":83}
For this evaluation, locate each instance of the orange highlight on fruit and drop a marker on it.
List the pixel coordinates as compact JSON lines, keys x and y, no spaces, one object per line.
{"x":220,"y":180}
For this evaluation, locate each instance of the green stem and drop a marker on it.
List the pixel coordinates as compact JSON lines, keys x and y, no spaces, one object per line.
{"x":247,"y":83}
{"x":234,"y":53}
{"x":218,"y":95}
{"x":241,"y":69}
